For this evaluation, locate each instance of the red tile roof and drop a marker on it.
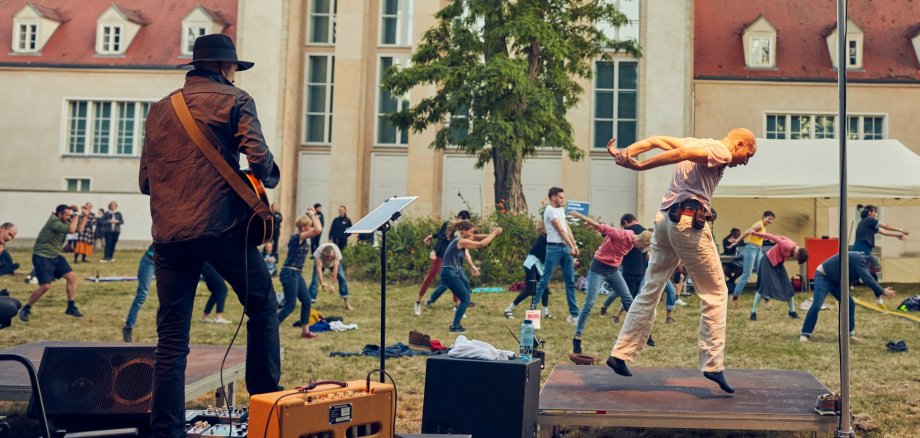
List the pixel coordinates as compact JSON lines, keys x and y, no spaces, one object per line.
{"x":801,"y":28}
{"x":157,"y":44}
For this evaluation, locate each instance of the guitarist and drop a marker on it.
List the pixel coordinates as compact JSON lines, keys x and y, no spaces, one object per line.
{"x":198,"y":218}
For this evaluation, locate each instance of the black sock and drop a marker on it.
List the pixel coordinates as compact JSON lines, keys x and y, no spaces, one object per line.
{"x":719,"y":378}
{"x":71,"y":304}
{"x":618,"y":366}
{"x":576,"y":345}
{"x":27,"y":307}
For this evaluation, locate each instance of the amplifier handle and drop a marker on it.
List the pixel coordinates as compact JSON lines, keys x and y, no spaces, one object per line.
{"x":313,"y":384}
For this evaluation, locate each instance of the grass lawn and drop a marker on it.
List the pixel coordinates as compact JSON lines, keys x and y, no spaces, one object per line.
{"x":884,"y":385}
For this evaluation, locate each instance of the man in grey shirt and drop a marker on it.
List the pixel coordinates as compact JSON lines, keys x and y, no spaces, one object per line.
{"x":682,"y":234}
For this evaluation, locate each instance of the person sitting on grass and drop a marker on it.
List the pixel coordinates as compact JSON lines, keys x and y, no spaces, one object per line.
{"x":271,"y":260}
{"x":328,"y":257}
{"x":452,"y":276}
{"x":7,"y":266}
{"x":606,"y":267}
{"x":772,"y":279}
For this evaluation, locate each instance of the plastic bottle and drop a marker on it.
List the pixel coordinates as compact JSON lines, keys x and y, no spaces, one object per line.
{"x":526,"y":339}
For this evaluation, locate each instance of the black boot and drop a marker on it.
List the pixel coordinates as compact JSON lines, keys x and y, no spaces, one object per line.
{"x":576,"y":345}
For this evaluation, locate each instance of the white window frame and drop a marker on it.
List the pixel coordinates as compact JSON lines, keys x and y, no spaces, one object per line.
{"x":20,"y":46}
{"x":331,"y":15}
{"x":111,"y":50}
{"x":114,"y":126}
{"x":187,"y":41}
{"x":623,"y":33}
{"x":401,"y":101}
{"x":755,"y":60}
{"x":80,"y":181}
{"x":404,"y":36}
{"x":329,"y":87}
{"x":854,"y":44}
{"x":616,"y":99}
{"x":813,"y":118}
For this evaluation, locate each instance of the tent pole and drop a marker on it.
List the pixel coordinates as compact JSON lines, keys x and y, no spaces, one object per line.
{"x":844,"y":429}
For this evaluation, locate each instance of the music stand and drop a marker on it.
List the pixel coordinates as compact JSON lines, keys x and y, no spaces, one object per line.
{"x":379,"y":220}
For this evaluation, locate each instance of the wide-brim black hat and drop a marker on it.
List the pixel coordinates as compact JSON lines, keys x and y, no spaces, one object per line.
{"x":218,"y":48}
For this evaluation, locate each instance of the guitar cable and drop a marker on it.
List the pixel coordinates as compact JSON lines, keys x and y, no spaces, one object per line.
{"x":223,"y":389}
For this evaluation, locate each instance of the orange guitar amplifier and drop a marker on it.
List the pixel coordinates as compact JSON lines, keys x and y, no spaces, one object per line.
{"x":328,"y":410}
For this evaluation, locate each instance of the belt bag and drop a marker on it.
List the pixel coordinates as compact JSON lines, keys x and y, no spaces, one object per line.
{"x":698,"y":213}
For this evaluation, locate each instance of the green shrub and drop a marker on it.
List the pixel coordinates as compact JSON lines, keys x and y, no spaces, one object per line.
{"x":501,"y":263}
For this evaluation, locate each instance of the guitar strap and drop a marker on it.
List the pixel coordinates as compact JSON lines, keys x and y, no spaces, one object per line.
{"x":194,"y":132}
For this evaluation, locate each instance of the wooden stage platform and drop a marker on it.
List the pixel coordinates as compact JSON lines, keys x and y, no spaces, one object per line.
{"x":675,"y":398}
{"x":202,"y":375}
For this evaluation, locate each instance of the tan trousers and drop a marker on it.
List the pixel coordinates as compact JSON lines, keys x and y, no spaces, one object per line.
{"x":671,"y":244}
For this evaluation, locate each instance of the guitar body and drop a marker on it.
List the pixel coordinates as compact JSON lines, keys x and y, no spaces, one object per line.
{"x":259,"y":231}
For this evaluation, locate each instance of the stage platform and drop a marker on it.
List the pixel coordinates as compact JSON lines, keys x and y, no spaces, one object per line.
{"x":202,"y":374}
{"x":674,"y":398}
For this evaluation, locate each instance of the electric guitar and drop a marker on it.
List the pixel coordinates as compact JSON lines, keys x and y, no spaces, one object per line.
{"x":258,"y":230}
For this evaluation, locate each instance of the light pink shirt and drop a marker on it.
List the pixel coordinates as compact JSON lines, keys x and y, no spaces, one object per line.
{"x":781,"y":251}
{"x":697,"y":181}
{"x":617,"y":242}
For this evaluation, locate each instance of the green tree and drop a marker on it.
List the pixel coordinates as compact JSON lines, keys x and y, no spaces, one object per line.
{"x":506,"y":72}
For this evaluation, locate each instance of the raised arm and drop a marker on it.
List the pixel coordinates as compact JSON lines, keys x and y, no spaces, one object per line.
{"x":587,"y":220}
{"x":477,"y":244}
{"x":656,"y":141}
{"x":673,"y":156}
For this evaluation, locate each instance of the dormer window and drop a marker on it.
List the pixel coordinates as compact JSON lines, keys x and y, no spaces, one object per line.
{"x":28,"y":38}
{"x":116,"y":28}
{"x":33,"y":26}
{"x":111,"y":40}
{"x":854,"y":52}
{"x":759,"y":41}
{"x":200,"y":21}
{"x":191,"y":34}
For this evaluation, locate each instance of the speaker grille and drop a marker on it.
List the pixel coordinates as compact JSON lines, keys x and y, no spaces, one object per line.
{"x":97,"y":381}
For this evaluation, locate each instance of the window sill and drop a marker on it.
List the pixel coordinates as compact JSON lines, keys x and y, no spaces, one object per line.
{"x":311,"y":44}
{"x":134,"y":157}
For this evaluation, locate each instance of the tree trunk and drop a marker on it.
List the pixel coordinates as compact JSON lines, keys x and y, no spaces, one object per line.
{"x":508,"y":189}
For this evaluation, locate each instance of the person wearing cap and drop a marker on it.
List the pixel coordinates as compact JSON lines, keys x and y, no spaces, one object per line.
{"x":198,"y":218}
{"x":437,"y":259}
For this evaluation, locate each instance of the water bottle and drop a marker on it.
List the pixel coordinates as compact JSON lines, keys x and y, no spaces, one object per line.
{"x":527,"y":339}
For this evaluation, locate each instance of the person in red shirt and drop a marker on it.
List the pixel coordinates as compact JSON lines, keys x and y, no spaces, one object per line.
{"x":772,"y":279}
{"x":606,"y":267}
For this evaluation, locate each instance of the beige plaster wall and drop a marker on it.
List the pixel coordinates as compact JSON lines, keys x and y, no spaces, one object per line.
{"x":723,"y":105}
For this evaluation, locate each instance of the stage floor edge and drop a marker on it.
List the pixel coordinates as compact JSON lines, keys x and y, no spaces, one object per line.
{"x":677,"y":398}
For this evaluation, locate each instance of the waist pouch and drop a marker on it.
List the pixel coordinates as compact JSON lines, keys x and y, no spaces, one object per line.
{"x":692,"y":209}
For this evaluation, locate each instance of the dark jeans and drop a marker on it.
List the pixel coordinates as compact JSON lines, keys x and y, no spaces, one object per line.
{"x":218,"y":288}
{"x":340,"y":241}
{"x":7,"y":267}
{"x":824,"y":286}
{"x":295,"y":288}
{"x":531,"y":277}
{"x":178,"y":267}
{"x":459,"y":285}
{"x":111,"y":239}
{"x":634,"y":283}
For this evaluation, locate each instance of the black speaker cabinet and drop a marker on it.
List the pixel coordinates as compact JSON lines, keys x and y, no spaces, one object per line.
{"x":484,"y":398}
{"x":109,"y":384}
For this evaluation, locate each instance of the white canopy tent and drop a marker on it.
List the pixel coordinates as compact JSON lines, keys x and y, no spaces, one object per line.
{"x":810,"y":169}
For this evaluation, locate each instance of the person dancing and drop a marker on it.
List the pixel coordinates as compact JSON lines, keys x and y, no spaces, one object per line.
{"x":772,"y":279}
{"x":682,"y":233}
{"x":452,"y":276}
{"x":606,"y":267}
{"x":533,"y":270}
{"x":291,"y":276}
{"x":868,"y":227}
{"x":752,"y":251}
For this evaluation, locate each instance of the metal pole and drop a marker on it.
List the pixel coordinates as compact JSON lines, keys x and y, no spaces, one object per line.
{"x":383,"y":301}
{"x":844,"y":429}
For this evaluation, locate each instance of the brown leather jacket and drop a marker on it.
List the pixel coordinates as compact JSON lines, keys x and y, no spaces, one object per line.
{"x":188,"y":197}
